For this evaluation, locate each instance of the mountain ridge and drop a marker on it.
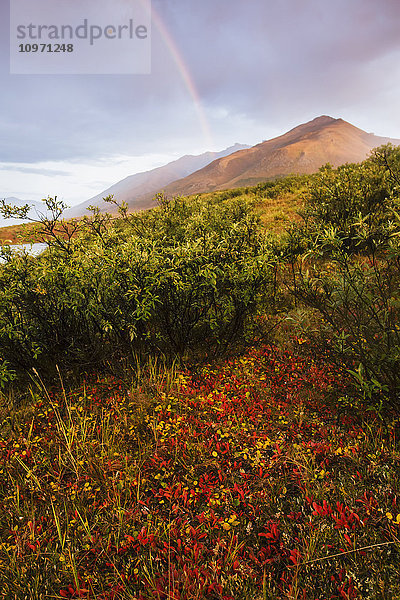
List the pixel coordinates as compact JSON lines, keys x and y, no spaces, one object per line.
{"x":303,"y":149}
{"x":140,"y":188}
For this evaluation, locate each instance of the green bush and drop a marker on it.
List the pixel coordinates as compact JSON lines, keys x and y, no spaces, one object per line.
{"x":345,"y":262}
{"x":359,"y":299}
{"x":356,"y":201}
{"x":182,"y":279}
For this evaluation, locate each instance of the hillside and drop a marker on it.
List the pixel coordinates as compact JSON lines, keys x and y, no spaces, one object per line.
{"x":37,"y":208}
{"x":301,"y":150}
{"x":278,"y":203}
{"x":138,"y":190}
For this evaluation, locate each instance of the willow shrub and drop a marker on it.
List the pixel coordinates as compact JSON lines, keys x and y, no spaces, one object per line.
{"x":358,"y":297}
{"x":182,"y":279}
{"x":345,"y":263}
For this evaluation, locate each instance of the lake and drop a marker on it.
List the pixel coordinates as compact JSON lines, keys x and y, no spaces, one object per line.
{"x":33,"y":249}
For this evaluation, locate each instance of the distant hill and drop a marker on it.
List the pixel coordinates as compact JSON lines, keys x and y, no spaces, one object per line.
{"x":37,"y":208}
{"x":138,"y":190}
{"x":303,"y":149}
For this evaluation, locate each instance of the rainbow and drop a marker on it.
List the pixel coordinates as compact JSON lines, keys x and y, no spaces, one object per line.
{"x":186,"y":76}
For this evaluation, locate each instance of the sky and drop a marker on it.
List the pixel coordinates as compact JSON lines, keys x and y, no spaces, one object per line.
{"x":222,"y":71}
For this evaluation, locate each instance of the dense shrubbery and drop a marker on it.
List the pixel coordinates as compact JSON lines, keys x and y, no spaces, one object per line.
{"x":272,"y":188}
{"x":346,"y":264}
{"x":186,"y":278}
{"x":181,"y":280}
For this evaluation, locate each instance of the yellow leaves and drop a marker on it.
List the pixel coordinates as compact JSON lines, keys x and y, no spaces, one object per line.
{"x":229,"y":523}
{"x":390,"y":517}
{"x":41,"y":291}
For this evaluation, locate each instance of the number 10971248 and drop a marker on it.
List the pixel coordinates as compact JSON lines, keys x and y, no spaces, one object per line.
{"x":46,"y":48}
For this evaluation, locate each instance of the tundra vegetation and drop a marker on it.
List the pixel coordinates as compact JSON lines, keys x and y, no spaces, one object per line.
{"x":201,"y":401}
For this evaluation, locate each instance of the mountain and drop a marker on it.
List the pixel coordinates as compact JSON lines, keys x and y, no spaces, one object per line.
{"x":303,"y":149}
{"x":37,"y":208}
{"x":138,"y":190}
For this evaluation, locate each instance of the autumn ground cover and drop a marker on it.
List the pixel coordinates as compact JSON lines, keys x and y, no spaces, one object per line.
{"x":252,"y":478}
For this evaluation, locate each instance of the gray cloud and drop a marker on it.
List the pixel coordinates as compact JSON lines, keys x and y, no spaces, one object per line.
{"x":267,"y":57}
{"x":33,"y":170}
{"x":268,"y":64}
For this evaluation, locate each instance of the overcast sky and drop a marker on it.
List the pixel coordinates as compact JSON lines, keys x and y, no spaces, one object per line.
{"x":258,"y":68}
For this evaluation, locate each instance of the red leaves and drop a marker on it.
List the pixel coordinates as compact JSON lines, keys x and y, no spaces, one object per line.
{"x":295,"y":556}
{"x":346,"y":518}
{"x":343,"y":516}
{"x":239,"y":491}
{"x":348,"y":540}
{"x":145,"y":538}
{"x":322,"y":510}
{"x":215,"y":587}
{"x":70,"y":592}
{"x":33,"y":547}
{"x":190,"y":520}
{"x":272,"y":532}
